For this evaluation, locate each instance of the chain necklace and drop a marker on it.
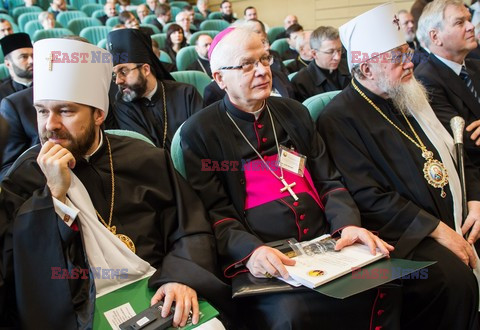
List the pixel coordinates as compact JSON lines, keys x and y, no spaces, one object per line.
{"x":286,"y":186}
{"x":302,"y":61}
{"x":124,"y":238}
{"x":165,"y":125}
{"x":433,"y":170}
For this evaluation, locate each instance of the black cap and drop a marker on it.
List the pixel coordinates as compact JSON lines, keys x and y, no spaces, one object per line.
{"x":134,"y":46}
{"x":15,"y":41}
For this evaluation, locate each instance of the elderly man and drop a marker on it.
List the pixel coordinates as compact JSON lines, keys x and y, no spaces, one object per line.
{"x":227,"y":11}
{"x":408,"y":28}
{"x":184,"y":19}
{"x":18,"y":52}
{"x":149,"y":101}
{"x":247,"y":207}
{"x":287,"y":22}
{"x":202,"y":45}
{"x":5,"y":28}
{"x":396,"y":161}
{"x":302,"y":48}
{"x":452,"y":82}
{"x":202,"y":6}
{"x":326,"y":72}
{"x":69,"y":205}
{"x":110,"y":11}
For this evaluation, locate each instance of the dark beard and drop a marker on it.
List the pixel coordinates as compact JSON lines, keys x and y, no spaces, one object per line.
{"x":78,"y":147}
{"x":25,"y":74}
{"x":137,"y":90}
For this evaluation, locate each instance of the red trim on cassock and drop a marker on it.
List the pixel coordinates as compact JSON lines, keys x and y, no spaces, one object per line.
{"x":373,"y":308}
{"x":259,"y":146}
{"x":220,"y":221}
{"x":330,"y":191}
{"x":236,"y":263}
{"x":74,"y":226}
{"x":296,"y":219}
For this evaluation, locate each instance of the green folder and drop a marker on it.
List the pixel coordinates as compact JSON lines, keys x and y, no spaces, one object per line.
{"x":138,"y":294}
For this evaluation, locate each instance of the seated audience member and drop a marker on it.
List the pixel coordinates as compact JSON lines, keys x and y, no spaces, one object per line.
{"x":152,"y":5}
{"x":30,"y":3}
{"x":302,"y":46}
{"x":408,"y":28}
{"x":18,"y":51}
{"x":110,"y":11}
{"x":325,"y":73}
{"x":69,"y":205}
{"x":57,"y":6}
{"x":452,"y":81}
{"x":164,"y":15}
{"x":202,"y":6}
{"x":183,"y":19}
{"x":249,"y":126}
{"x":124,"y":5}
{"x":201,"y":47}
{"x":170,"y":67}
{"x":227,"y":11}
{"x":394,"y":156}
{"x":5,"y":28}
{"x":191,"y":12}
{"x":131,"y":22}
{"x":250,"y":13}
{"x":47,"y":20}
{"x":149,"y":101}
{"x":475,"y":54}
{"x":287,"y":22}
{"x":175,"y":41}
{"x":142,"y":12}
{"x":291,"y":34}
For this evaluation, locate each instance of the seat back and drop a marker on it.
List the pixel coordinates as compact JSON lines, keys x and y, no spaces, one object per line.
{"x":78,"y":4}
{"x":132,"y":134}
{"x":273,"y":32}
{"x":160,"y":38}
{"x":165,"y":26}
{"x":90,"y":8}
{"x":95,"y":33}
{"x":291,"y":75}
{"x":196,"y":78}
{"x":112,"y":21}
{"x":78,"y":24}
{"x":287,"y":62}
{"x":4,"y":74}
{"x":16,"y":12}
{"x":31,"y":27}
{"x":24,"y":18}
{"x":98,"y":13}
{"x":214,"y":24}
{"x":12,"y":4}
{"x":153,"y":27}
{"x":66,"y":16}
{"x":215,"y":15}
{"x":176,"y":153}
{"x":194,"y":37}
{"x":8,"y":18}
{"x":102,"y":43}
{"x":280,"y":45}
{"x":174,"y":12}
{"x":317,"y":103}
{"x":52,"y":33}
{"x":179,"y":4}
{"x":185,"y":57}
{"x":149,"y":19}
{"x":164,"y":57}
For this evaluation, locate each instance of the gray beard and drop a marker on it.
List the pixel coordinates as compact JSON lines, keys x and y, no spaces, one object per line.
{"x":410,"y":97}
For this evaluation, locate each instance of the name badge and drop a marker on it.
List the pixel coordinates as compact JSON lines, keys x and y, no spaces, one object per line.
{"x":292,"y":161}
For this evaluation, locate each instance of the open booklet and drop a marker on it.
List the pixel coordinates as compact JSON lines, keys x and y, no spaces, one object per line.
{"x":317,"y":262}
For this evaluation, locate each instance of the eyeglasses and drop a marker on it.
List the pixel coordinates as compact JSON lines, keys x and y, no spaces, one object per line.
{"x":248,"y":66}
{"x":123,"y":72}
{"x":332,"y":52}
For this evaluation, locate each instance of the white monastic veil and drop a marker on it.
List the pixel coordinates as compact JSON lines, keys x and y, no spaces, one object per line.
{"x":104,"y":250}
{"x":443,"y":142}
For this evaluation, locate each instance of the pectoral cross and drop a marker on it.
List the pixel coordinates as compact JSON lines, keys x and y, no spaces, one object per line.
{"x":50,"y":62}
{"x":289,"y":188}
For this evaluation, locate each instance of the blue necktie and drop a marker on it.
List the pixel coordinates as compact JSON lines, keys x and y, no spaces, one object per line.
{"x":468,"y":81}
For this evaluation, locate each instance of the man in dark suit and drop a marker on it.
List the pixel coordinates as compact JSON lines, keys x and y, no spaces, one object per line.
{"x":201,"y":47}
{"x":324,"y":73}
{"x":110,"y":11}
{"x":18,"y":52}
{"x":453,"y":82}
{"x":164,"y":15}
{"x":19,"y":112}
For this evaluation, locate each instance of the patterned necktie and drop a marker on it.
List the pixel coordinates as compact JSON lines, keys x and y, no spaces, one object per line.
{"x":468,"y":81}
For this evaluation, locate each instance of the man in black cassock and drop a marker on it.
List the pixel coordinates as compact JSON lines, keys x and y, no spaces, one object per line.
{"x":452,"y":81}
{"x":230,"y":162}
{"x":201,"y":63}
{"x":18,"y":52}
{"x":397,"y":161}
{"x":147,"y":92}
{"x":304,"y":58}
{"x":326,"y":72}
{"x":82,"y":183}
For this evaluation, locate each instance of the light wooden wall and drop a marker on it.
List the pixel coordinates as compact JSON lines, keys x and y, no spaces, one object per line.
{"x":311,"y":13}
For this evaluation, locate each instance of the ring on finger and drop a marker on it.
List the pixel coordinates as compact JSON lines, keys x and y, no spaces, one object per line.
{"x":268,"y":275}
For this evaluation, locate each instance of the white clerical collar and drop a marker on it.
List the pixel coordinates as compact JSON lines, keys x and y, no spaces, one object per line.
{"x":87,"y":157}
{"x":26,"y":85}
{"x":457,"y":68}
{"x":150,"y":95}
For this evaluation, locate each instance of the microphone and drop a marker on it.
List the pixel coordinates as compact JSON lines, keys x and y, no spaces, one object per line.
{"x":458,"y":125}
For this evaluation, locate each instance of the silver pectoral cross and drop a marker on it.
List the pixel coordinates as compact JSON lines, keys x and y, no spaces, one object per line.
{"x":289,"y":188}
